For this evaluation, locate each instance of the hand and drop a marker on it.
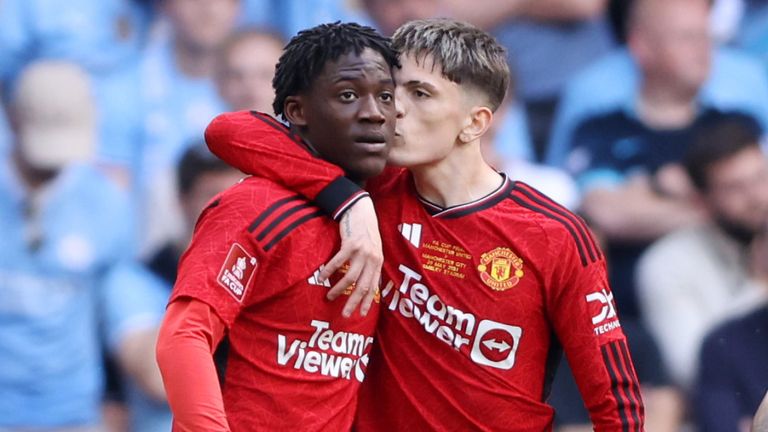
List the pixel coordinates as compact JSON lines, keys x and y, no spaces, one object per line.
{"x":671,"y":180}
{"x":361,"y":247}
{"x":758,"y":257}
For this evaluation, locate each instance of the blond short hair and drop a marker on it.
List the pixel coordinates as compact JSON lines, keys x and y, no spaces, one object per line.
{"x":466,"y":54}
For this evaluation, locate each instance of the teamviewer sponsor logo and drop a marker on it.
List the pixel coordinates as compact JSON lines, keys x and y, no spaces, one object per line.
{"x":411,"y":232}
{"x":605,"y":320}
{"x":496,"y":344}
{"x":489,"y":343}
{"x":330,"y":353}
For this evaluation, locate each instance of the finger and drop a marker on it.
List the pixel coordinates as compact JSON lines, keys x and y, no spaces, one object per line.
{"x":349,"y":278}
{"x":370,"y":296}
{"x":338,"y":260}
{"x":354,"y":300}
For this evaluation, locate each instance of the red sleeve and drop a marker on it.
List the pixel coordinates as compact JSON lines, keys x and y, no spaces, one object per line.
{"x":583,"y":313}
{"x":189,"y":335}
{"x":257,"y":144}
{"x":223,"y":261}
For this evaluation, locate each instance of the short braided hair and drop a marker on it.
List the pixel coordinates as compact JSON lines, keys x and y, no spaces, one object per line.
{"x":307,"y":53}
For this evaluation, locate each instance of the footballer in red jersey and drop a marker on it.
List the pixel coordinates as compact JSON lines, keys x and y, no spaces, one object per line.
{"x":251,"y":270}
{"x":486,"y":281}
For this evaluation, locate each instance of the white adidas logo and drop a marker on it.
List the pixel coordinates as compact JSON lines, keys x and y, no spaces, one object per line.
{"x":312,"y":280}
{"x":411,"y":232}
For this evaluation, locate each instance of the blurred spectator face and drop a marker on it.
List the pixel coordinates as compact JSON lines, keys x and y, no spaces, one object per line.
{"x":202,"y":24}
{"x":391,"y":14}
{"x":671,"y":41}
{"x":246,"y":70}
{"x":205,"y":187}
{"x":737,"y":190}
{"x":54,"y":115}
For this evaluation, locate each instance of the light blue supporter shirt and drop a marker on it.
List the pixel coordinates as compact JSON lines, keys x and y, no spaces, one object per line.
{"x":100,"y":35}
{"x":135,"y":300}
{"x":50,"y":362}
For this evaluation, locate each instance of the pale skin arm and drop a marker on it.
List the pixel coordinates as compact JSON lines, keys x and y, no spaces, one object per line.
{"x":664,"y":409}
{"x":361,"y":247}
{"x":634,"y":212}
{"x":136,"y":357}
{"x":760,"y":422}
{"x":490,"y":13}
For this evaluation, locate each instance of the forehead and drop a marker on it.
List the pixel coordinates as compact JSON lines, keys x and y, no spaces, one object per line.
{"x":660,"y":16}
{"x":255,"y":42}
{"x":356,"y":66}
{"x":741,"y":164}
{"x":256,"y":48}
{"x":422,"y":69}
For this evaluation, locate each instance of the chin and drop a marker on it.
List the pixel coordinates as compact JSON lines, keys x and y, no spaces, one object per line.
{"x":367,"y":170}
{"x":400,"y":158}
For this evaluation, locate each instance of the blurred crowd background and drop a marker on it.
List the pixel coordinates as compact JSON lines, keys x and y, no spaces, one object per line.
{"x":644,"y":116}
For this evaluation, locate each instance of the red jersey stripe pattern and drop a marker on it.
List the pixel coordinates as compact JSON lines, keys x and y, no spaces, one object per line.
{"x":533,"y":200}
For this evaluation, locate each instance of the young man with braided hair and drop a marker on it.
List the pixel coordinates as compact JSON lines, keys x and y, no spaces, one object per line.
{"x":293,"y":360}
{"x":486,"y":281}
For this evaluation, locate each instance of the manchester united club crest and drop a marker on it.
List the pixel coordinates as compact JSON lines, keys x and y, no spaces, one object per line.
{"x":500,"y":269}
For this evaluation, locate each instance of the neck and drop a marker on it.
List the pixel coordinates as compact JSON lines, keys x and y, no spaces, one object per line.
{"x":33,"y":178}
{"x":460,"y":178}
{"x":662,"y":106}
{"x":193,"y":61}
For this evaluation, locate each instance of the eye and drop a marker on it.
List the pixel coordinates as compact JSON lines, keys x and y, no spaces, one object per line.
{"x":347,"y":96}
{"x":420,"y":94}
{"x":386,"y":97}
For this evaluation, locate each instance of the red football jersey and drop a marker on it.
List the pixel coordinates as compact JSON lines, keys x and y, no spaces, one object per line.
{"x":293,"y":361}
{"x":478,"y":303}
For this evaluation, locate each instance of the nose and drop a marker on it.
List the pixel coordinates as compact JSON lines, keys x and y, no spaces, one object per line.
{"x":371,"y":111}
{"x":399,"y":113}
{"x":399,"y":103}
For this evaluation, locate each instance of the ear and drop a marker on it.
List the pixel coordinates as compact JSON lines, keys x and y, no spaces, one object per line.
{"x":293,"y":109}
{"x":639,"y":48}
{"x":12,"y":118}
{"x":479,"y":121}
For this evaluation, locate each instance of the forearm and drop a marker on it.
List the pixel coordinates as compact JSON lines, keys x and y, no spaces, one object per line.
{"x":627,"y":215}
{"x":664,"y":409}
{"x":136,"y":358}
{"x":187,"y":340}
{"x":490,"y":13}
{"x":260,"y":146}
{"x":760,"y":423}
{"x":563,"y":10}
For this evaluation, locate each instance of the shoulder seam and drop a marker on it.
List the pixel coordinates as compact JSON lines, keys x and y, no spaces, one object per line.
{"x":295,"y":224}
{"x":271,"y":209}
{"x":280,"y":218}
{"x":578,"y":222}
{"x":588,"y":252}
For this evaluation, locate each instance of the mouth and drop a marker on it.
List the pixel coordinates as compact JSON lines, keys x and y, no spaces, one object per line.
{"x":372,"y":142}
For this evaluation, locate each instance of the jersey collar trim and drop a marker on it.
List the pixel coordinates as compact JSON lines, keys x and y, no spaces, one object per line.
{"x":471,"y":207}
